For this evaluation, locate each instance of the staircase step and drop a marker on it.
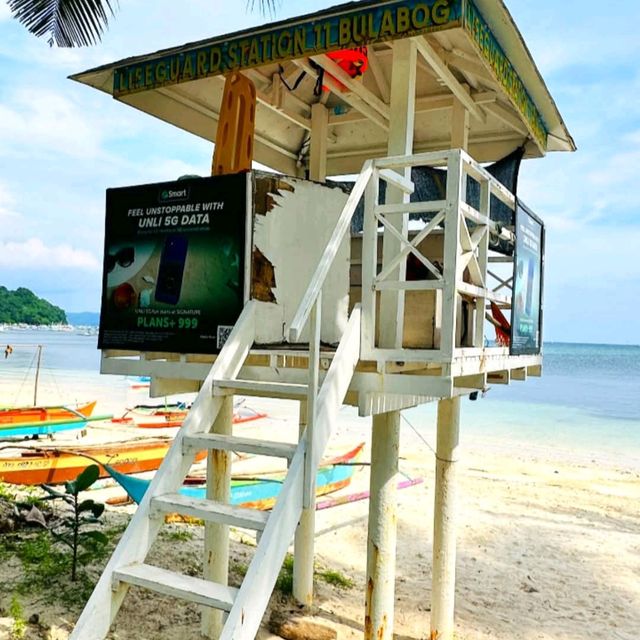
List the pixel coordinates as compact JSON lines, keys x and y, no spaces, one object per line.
{"x":210,"y":594}
{"x":193,"y":443}
{"x":210,"y":511}
{"x":260,"y":388}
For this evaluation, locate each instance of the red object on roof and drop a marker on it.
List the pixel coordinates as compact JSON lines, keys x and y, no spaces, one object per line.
{"x":353,"y":61}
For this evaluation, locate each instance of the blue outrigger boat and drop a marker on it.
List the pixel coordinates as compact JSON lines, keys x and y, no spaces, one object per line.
{"x":258,"y":492}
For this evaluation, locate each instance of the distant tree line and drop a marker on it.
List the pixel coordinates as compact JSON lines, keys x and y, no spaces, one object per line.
{"x":24,"y":306}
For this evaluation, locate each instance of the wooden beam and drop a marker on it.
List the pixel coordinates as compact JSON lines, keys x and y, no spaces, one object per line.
{"x":508,"y":116}
{"x":466,"y":62}
{"x":174,"y":94}
{"x":289,"y":115}
{"x":435,"y":102}
{"x":438,"y":65}
{"x":347,"y":96}
{"x":378,"y":75}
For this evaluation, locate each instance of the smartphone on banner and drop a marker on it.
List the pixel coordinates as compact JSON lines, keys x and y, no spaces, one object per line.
{"x":171,"y":269}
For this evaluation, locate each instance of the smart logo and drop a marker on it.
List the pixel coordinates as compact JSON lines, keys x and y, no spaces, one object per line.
{"x":174,"y":195}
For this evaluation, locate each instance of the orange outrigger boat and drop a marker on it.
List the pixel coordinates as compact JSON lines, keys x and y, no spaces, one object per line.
{"x":34,"y":421}
{"x":53,"y":465}
{"x":32,"y":415}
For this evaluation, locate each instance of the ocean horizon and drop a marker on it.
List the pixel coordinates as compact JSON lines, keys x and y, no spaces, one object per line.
{"x":587,"y":400}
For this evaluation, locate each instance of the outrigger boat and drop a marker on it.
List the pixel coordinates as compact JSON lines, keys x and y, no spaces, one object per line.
{"x":38,"y":421}
{"x":53,"y":465}
{"x":173,"y":415}
{"x":260,"y":492}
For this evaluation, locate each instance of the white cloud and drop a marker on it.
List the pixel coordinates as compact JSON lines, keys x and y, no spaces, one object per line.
{"x":8,"y":214}
{"x":5,"y":14}
{"x":33,"y":120}
{"x":33,"y":254}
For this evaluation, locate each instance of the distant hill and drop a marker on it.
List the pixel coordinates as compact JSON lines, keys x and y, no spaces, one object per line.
{"x":25,"y":306}
{"x":84,"y":318}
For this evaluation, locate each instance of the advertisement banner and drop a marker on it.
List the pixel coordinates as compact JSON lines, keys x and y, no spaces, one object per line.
{"x":526,"y":317}
{"x":173,"y":276}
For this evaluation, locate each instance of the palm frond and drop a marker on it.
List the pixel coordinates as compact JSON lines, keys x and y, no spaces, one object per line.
{"x":266,"y":7}
{"x":68,"y":23}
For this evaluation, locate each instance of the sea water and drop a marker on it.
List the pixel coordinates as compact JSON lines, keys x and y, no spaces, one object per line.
{"x":587,"y":400}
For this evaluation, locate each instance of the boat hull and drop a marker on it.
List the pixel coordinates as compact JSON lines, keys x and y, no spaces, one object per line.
{"x":261,"y":493}
{"x":53,"y":466}
{"x":166,"y":417}
{"x":32,"y":415}
{"x":42,"y":421}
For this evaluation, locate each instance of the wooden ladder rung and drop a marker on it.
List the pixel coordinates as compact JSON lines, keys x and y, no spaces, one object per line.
{"x":170,"y":583}
{"x":260,"y":388}
{"x":210,"y":511}
{"x":193,"y":443}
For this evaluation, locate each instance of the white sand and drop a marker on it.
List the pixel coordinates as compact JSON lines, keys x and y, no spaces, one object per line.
{"x":549,"y":546}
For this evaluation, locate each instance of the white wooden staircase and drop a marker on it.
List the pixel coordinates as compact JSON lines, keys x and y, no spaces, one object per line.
{"x":245,"y":606}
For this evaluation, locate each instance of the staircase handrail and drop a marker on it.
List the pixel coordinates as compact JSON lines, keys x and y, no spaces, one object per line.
{"x":317,"y":281}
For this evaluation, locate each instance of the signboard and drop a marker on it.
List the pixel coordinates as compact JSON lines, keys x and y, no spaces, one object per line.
{"x":174,"y":255}
{"x":344,"y":27}
{"x":495,"y":57}
{"x":526,"y":316}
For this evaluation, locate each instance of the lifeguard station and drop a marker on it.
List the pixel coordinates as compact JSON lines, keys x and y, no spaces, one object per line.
{"x":418,"y":282}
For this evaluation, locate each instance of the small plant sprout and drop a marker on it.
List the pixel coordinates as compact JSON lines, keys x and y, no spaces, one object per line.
{"x":70,"y":530}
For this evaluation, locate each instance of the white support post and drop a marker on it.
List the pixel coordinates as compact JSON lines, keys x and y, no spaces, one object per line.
{"x":369,"y":266}
{"x":318,"y":148}
{"x":315,"y":324}
{"x":460,"y":140}
{"x":460,"y":124}
{"x":382,"y":534}
{"x":401,"y":125}
{"x":444,"y":518}
{"x":303,"y":541}
{"x":383,"y":508}
{"x":483,"y":263}
{"x":451,"y":274}
{"x":303,"y":549}
{"x":216,"y":536}
{"x":445,"y":521}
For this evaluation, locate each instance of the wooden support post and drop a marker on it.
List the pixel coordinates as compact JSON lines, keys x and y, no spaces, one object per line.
{"x":381,"y":542}
{"x":216,"y":536}
{"x":445,"y":521}
{"x":381,"y":548}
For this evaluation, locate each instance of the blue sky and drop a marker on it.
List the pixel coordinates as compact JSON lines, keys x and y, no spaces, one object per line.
{"x":62,"y":144}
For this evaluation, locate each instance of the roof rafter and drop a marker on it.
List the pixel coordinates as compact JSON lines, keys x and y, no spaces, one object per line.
{"x":353,"y":85}
{"x":439,"y":66}
{"x":353,"y":100}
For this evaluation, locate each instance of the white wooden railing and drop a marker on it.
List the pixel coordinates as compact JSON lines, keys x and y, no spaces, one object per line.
{"x":465,"y":271}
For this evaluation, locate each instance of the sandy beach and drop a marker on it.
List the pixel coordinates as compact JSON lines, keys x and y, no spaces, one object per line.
{"x":549,"y":546}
